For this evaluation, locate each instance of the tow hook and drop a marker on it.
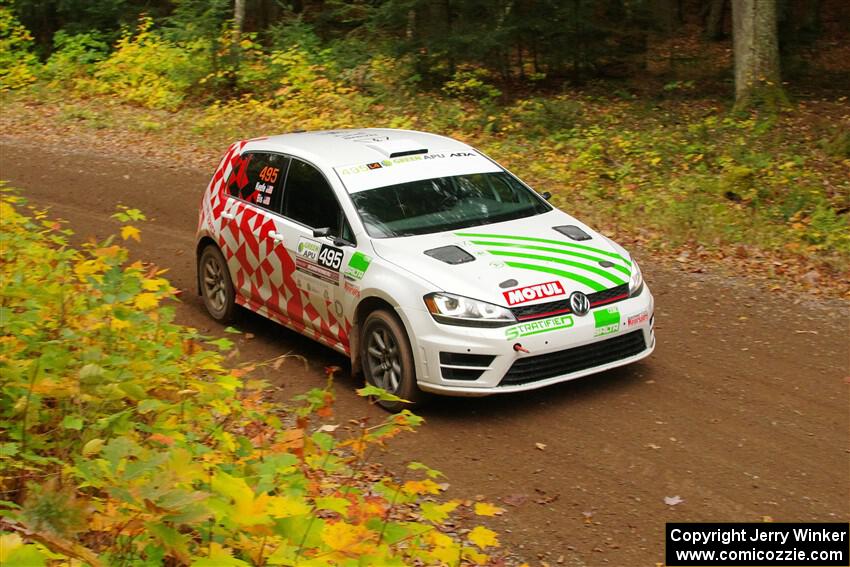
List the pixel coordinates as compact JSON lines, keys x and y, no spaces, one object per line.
{"x":519,"y":348}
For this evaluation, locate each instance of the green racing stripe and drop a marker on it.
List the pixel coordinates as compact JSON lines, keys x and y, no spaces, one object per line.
{"x":546,"y":241}
{"x":621,"y":269}
{"x":598,"y":271}
{"x":566,"y":275}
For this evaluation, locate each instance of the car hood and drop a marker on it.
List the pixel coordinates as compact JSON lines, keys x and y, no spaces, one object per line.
{"x":521,"y":262}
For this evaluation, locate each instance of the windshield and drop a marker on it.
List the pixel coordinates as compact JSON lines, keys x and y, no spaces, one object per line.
{"x":445,"y":203}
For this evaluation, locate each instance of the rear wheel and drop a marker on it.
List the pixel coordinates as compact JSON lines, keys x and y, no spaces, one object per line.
{"x":216,"y":287}
{"x":388,"y":360}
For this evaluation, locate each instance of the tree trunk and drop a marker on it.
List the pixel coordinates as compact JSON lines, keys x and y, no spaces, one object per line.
{"x":447,"y":5}
{"x":757,"y":79}
{"x":665,"y":14}
{"x":410,"y":28}
{"x":714,"y":20}
{"x":235,"y":40}
{"x":238,"y":21}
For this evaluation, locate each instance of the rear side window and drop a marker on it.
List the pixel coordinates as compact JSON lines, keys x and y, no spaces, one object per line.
{"x":309,"y":199}
{"x":258,"y":179}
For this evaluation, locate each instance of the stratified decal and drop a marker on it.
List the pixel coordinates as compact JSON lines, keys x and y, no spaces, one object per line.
{"x":606,"y":321}
{"x":538,"y":327}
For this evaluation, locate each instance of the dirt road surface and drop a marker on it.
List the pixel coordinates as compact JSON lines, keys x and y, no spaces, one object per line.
{"x":742,"y":411}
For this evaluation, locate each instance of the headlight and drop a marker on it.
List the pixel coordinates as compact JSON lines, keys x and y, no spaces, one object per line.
{"x":457,"y":310}
{"x":636,"y":281}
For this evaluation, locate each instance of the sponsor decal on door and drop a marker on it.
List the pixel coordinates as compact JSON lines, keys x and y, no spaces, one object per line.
{"x":317,"y":271}
{"x":357,"y":266}
{"x":308,"y":248}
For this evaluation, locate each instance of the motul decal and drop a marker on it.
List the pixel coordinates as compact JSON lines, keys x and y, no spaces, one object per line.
{"x":533,"y":292}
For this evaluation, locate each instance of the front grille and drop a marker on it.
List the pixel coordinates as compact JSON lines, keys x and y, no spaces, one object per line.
{"x":562,"y":307}
{"x":607,"y":296}
{"x":464,"y":366}
{"x":541,"y":367}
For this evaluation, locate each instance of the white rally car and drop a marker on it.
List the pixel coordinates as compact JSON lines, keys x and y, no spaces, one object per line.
{"x":422,"y":259}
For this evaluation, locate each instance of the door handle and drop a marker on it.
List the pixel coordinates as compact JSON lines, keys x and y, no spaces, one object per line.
{"x":276,"y":236}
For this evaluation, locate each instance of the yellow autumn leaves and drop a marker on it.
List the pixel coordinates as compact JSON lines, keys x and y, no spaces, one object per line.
{"x":161,"y":443}
{"x":129,"y":231}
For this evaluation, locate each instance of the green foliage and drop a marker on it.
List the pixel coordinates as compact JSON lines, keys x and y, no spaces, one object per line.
{"x":838,"y":144}
{"x":553,"y":117}
{"x":471,"y":83}
{"x":74,"y":56}
{"x":17,"y":62}
{"x":124,"y":439}
{"x":147,"y":69}
{"x":105,"y":18}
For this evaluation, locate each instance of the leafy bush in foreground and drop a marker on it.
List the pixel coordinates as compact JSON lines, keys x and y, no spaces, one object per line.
{"x":124,"y":439}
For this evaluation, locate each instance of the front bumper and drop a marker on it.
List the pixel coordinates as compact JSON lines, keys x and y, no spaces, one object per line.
{"x":467,"y":361}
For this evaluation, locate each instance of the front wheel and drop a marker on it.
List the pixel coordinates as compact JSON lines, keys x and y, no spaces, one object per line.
{"x":387,"y":359}
{"x":216,"y":287}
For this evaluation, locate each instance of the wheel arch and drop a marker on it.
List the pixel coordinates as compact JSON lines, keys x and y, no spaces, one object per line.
{"x":199,"y":249}
{"x":366,"y":306}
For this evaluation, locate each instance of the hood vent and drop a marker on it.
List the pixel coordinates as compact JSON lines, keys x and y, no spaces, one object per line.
{"x":450,"y":254}
{"x":572,"y":231}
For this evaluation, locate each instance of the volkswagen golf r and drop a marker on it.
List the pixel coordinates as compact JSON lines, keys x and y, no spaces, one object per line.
{"x":427,"y":263}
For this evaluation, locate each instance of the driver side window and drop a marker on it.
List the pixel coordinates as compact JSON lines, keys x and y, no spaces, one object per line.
{"x":309,"y":199}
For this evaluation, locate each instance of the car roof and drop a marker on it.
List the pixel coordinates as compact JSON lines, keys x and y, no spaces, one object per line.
{"x":334,"y":148}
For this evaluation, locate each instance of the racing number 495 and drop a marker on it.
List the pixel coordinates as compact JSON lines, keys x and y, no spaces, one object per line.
{"x":331,"y":257}
{"x":269,"y":174}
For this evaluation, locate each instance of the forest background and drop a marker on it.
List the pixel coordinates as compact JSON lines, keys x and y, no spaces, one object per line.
{"x":629,"y":111}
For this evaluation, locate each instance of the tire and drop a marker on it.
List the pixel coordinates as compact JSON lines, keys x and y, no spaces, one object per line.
{"x":216,"y":287}
{"x":387,"y":359}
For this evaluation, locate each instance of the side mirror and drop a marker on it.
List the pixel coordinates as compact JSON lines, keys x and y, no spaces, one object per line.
{"x":326,"y":232}
{"x":546,"y":195}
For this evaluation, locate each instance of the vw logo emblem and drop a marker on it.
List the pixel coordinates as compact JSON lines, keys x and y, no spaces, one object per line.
{"x":579,"y":303}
